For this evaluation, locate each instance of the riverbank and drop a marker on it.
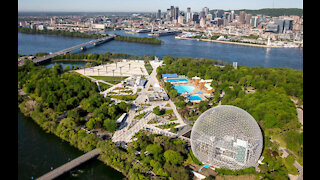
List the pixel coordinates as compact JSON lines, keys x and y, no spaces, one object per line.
{"x":22,"y":108}
{"x":229,"y":42}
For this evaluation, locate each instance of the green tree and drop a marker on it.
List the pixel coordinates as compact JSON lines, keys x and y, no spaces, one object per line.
{"x":173,"y":157}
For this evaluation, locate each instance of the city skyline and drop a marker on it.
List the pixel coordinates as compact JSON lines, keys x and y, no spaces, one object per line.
{"x":148,"y":6}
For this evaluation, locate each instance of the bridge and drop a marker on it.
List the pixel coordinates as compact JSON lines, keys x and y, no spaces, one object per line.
{"x":79,"y":46}
{"x":70,"y":165}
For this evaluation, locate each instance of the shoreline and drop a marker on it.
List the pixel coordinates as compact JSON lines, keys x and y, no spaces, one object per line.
{"x":229,"y":42}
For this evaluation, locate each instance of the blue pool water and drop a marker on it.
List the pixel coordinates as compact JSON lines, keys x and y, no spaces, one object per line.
{"x":171,"y":80}
{"x":183,"y":89}
{"x":194,"y":98}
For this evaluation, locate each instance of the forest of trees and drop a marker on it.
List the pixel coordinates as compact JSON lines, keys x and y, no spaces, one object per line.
{"x":145,"y":40}
{"x":273,"y":12}
{"x":60,"y":33}
{"x":60,"y":92}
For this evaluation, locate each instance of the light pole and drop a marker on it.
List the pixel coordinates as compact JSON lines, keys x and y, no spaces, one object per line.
{"x":113,"y":72}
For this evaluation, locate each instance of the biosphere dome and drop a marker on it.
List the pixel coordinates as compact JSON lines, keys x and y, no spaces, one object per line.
{"x":226,"y":137}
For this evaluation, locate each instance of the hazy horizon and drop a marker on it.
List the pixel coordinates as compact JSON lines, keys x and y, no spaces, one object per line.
{"x":148,"y":6}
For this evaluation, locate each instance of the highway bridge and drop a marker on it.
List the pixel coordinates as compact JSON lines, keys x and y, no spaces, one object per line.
{"x":70,"y":165}
{"x":79,"y":46}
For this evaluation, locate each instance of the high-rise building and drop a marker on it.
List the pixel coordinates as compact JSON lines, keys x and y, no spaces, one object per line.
{"x":171,"y":12}
{"x":168,"y":15}
{"x":254,"y":21}
{"x":202,"y":22}
{"x":181,"y":19}
{"x":202,"y":14}
{"x":232,"y":15}
{"x":209,"y":17}
{"x":248,"y":18}
{"x":176,"y":13}
{"x":195,"y":17}
{"x":205,"y":10}
{"x":280,"y":23}
{"x":158,"y":14}
{"x":288,"y":24}
{"x":188,"y":17}
{"x":242,"y":17}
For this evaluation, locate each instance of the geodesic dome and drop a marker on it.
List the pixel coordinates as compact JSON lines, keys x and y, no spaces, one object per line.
{"x":226,"y":137}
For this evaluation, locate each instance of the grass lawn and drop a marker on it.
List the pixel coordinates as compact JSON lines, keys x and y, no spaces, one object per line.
{"x":140,"y":115}
{"x":110,"y":79}
{"x":167,"y":126}
{"x":148,"y":68}
{"x":104,"y":86}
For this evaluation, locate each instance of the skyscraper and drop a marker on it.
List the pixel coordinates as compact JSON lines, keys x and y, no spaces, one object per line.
{"x":205,"y":10}
{"x":159,"y":14}
{"x":171,"y":13}
{"x":254,"y":21}
{"x":188,"y":17}
{"x":195,"y":17}
{"x":248,"y":18}
{"x":176,"y":13}
{"x":242,"y":17}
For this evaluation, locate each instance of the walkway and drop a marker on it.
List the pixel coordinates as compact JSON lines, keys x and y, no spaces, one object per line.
{"x":70,"y":165}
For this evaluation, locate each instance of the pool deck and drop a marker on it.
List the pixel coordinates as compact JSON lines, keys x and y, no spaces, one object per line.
{"x":193,"y":93}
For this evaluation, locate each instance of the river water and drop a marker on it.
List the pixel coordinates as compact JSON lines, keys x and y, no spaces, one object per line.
{"x":39,"y":151}
{"x":244,"y":55}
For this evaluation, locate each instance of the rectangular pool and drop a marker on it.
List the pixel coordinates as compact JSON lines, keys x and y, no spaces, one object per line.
{"x":172,"y":80}
{"x":194,"y":98}
{"x":183,"y":89}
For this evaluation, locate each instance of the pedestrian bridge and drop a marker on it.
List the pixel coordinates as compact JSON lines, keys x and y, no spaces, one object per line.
{"x":79,"y":46}
{"x":70,"y":165}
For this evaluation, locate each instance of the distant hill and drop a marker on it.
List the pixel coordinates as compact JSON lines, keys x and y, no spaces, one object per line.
{"x":273,"y":12}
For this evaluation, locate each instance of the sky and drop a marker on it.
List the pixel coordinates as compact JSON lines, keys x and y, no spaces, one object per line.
{"x":150,"y":5}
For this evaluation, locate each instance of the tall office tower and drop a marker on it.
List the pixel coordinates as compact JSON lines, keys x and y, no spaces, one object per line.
{"x":188,"y":17}
{"x":168,"y":15}
{"x":254,"y":21}
{"x":172,"y":12}
{"x":205,"y":10}
{"x":158,"y":14}
{"x":280,"y":24}
{"x":248,"y":18}
{"x":242,"y":17}
{"x":176,"y":13}
{"x":195,"y":17}
{"x":202,"y":14}
{"x":232,"y":15}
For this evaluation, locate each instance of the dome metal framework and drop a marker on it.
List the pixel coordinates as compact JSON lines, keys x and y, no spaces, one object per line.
{"x":226,"y":136}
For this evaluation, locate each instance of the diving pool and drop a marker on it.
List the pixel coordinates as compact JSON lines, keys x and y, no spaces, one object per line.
{"x":183,"y":89}
{"x":194,"y":98}
{"x":172,"y":80}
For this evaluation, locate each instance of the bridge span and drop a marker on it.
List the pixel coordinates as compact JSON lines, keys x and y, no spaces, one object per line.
{"x":70,"y":165}
{"x":79,"y":46}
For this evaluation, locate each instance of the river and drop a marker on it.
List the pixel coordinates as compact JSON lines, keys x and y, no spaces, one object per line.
{"x":244,"y":55}
{"x":39,"y":151}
